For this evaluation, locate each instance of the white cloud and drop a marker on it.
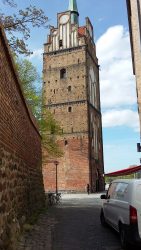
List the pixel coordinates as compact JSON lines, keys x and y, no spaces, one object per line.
{"x":126,"y":117}
{"x":100,"y":19}
{"x":116,"y":78}
{"x":37,"y":53}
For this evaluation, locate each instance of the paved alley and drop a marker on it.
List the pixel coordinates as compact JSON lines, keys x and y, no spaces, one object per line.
{"x":73,"y":225}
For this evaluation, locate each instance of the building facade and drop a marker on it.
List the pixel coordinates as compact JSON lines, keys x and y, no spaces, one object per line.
{"x":71,"y":92}
{"x":134,"y":17}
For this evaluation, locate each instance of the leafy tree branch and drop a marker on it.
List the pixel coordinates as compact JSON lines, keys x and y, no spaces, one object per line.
{"x":21,"y":24}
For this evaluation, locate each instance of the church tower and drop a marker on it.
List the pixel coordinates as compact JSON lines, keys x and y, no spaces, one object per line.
{"x":71,"y":92}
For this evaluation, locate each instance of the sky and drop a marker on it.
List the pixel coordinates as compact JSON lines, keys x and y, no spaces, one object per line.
{"x":117,"y":84}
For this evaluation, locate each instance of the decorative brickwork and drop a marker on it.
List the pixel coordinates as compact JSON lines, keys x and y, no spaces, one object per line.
{"x":21,"y":183}
{"x":71,"y":93}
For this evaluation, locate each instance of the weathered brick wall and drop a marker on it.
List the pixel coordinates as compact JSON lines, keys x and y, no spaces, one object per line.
{"x":134,"y":15}
{"x":75,"y":125}
{"x":21,"y":183}
{"x":73,"y":167}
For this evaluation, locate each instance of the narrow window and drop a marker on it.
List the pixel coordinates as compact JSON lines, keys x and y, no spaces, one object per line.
{"x":66,"y":142}
{"x":54,"y":91}
{"x":62,"y":73}
{"x":72,"y":130}
{"x":60,"y":43}
{"x":69,"y":88}
{"x":69,"y":109}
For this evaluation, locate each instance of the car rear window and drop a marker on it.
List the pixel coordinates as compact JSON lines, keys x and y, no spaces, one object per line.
{"x":117,"y":190}
{"x":121,"y":190}
{"x":111,"y":191}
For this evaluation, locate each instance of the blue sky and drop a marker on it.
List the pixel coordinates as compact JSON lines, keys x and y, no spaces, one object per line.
{"x":118,"y":93}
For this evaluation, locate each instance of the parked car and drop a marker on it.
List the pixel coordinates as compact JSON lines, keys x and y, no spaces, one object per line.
{"x":121,"y":209}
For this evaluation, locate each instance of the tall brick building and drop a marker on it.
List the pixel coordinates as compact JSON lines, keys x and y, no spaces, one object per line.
{"x":134,"y":17}
{"x":71,"y":92}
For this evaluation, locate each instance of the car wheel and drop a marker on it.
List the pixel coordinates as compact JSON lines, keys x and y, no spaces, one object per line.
{"x":123,"y":240}
{"x":102,"y":219}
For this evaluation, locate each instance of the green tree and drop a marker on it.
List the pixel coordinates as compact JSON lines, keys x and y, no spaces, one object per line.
{"x":48,"y":126}
{"x":29,"y":78}
{"x":20,"y":25}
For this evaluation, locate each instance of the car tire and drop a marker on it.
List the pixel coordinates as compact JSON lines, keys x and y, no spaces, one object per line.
{"x":102,"y":219}
{"x":123,"y":238}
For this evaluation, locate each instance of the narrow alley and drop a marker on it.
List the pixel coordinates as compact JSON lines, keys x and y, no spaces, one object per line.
{"x":72,"y":225}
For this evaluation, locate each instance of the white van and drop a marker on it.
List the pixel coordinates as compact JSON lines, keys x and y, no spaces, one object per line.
{"x":121,"y":209}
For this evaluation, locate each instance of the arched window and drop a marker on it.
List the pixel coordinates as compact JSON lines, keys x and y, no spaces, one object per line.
{"x":69,"y":109}
{"x":62,"y":73}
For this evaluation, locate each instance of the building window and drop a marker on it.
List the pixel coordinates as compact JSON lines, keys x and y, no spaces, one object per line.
{"x":60,"y":43}
{"x":69,"y":88}
{"x":69,"y":109}
{"x":66,"y":142}
{"x":62,"y":73}
{"x":54,"y":91}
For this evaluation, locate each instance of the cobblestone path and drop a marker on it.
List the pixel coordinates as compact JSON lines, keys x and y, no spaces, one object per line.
{"x":73,"y":225}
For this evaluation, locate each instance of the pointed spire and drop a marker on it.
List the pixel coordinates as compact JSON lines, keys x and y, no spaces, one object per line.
{"x":74,"y":10}
{"x":73,"y":5}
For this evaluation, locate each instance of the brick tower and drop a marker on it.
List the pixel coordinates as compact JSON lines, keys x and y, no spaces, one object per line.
{"x":71,"y":92}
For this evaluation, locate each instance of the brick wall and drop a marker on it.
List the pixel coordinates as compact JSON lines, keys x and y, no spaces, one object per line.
{"x":134,"y":15}
{"x":73,"y":167}
{"x":21,"y":183}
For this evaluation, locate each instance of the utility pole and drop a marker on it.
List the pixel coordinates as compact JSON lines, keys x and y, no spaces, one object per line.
{"x":56,"y":164}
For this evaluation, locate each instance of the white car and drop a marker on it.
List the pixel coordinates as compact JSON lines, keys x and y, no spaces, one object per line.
{"x":121,"y":209}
